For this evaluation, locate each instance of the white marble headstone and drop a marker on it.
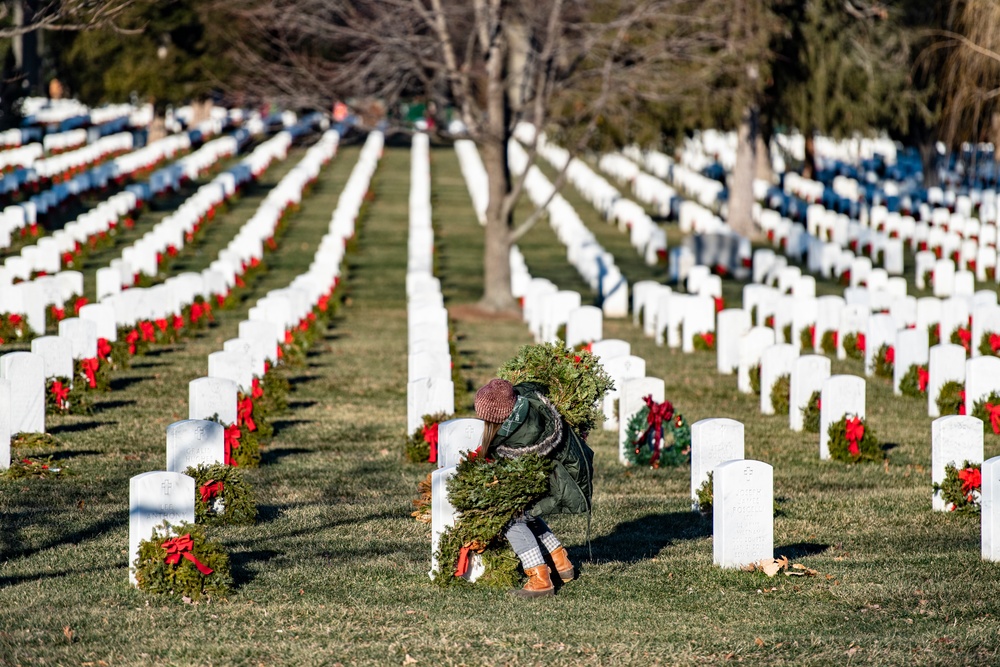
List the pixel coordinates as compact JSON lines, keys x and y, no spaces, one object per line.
{"x":841,"y":395}
{"x":955,"y":439}
{"x":742,"y":513}
{"x":155,"y":497}
{"x":713,"y":441}
{"x":194,"y":442}
{"x":213,"y":397}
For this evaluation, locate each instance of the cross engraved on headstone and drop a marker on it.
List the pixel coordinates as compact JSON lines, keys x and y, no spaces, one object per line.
{"x":165,"y":487}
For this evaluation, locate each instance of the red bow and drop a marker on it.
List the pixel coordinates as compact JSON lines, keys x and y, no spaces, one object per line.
{"x":431,"y":438}
{"x":972,"y":480}
{"x":245,"y":414}
{"x":890,"y":355}
{"x":132,"y":337}
{"x":232,"y":441}
{"x":178,"y":323}
{"x":324,"y":302}
{"x":289,"y":338}
{"x":15,"y":319}
{"x":995,"y":342}
{"x":58,"y":313}
{"x":923,"y":378}
{"x":78,"y":304}
{"x":709,"y":339}
{"x":210,"y":489}
{"x":257,"y":391}
{"x":861,"y":342}
{"x":181,"y":546}
{"x":719,"y":304}
{"x":994,"y":413}
{"x":855,"y":432}
{"x":463,"y":562}
{"x":148,"y":331}
{"x":658,"y":413}
{"x":196,"y":312}
{"x":965,"y":337}
{"x":220,"y":299}
{"x":961,"y":407}
{"x":103,"y":348}
{"x":61,"y":393}
{"x":812,"y":334}
{"x":90,"y":367}
{"x":161,"y":324}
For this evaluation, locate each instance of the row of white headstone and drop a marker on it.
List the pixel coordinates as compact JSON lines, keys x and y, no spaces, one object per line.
{"x":169,"y":495}
{"x":594,"y":264}
{"x":648,"y":239}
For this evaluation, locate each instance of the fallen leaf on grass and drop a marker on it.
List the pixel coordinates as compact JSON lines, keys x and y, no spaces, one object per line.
{"x":409,"y":660}
{"x":772,"y":566}
{"x":68,"y":633}
{"x":758,"y":641}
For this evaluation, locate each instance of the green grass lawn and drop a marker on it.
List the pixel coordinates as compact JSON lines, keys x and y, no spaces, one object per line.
{"x":335,"y":571}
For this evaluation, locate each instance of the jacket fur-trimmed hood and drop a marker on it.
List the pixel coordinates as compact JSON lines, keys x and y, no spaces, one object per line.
{"x":536,"y":429}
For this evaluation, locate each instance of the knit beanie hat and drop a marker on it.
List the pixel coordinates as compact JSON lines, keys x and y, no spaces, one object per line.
{"x":495,"y":401}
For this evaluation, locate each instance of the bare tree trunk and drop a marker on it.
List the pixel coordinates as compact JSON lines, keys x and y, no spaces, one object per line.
{"x":741,"y":188}
{"x":497,"y":295}
{"x":762,"y":168}
{"x":809,"y":166}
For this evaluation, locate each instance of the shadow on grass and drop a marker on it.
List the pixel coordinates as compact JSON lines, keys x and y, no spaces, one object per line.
{"x":119,"y":384}
{"x":11,"y":546}
{"x":889,"y":446}
{"x":268,"y":513}
{"x":78,"y":426}
{"x":23,"y":578}
{"x":302,"y":379}
{"x":274,"y":454}
{"x":644,"y":538}
{"x":300,"y":405}
{"x":104,"y":406}
{"x":239,"y":562}
{"x":70,"y":453}
{"x":800,"y":550}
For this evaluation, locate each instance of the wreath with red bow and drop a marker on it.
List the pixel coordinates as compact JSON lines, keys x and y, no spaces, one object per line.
{"x":989,"y":344}
{"x":962,"y":487}
{"x":182,"y":563}
{"x":657,"y":437}
{"x":421,"y":446}
{"x":222,"y":495}
{"x":851,"y":441}
{"x":915,"y":382}
{"x":988,"y":410}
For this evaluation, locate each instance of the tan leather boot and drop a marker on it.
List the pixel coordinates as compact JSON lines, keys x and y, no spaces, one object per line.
{"x":564,"y":567}
{"x":539,"y":583}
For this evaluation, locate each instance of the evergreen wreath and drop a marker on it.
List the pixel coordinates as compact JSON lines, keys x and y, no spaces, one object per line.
{"x":180,"y":562}
{"x":851,"y":441}
{"x":810,"y":413}
{"x":914,"y":383}
{"x":885,"y":361}
{"x":807,"y":337}
{"x":91,"y":374}
{"x":987,"y":409}
{"x":704,"y":341}
{"x":421,"y":445}
{"x":989,"y":344}
{"x":933,"y":334}
{"x":222,"y":496}
{"x":63,"y":399}
{"x":962,"y":336}
{"x":242,"y":445}
{"x":829,"y":342}
{"x":575,"y":381}
{"x":929,"y":279}
{"x":786,"y":333}
{"x":33,"y":466}
{"x":755,"y":379}
{"x":781,"y":392}
{"x":962,"y":488}
{"x":664,"y":440}
{"x":487,"y":495}
{"x":951,"y":398}
{"x":706,"y":495}
{"x":854,"y":345}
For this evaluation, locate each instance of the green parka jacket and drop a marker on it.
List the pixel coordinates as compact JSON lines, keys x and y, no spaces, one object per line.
{"x":536,"y":427}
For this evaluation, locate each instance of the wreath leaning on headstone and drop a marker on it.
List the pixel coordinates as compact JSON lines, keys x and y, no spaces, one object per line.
{"x":222,"y":496}
{"x":914,"y":383}
{"x":852,"y":441}
{"x":658,"y":436}
{"x":781,"y":392}
{"x":854,"y":345}
{"x":885,"y":361}
{"x":962,"y":488}
{"x":755,"y":379}
{"x":810,"y":413}
{"x":951,"y":398}
{"x":933,"y":334}
{"x":988,"y":410}
{"x":829,"y":342}
{"x":422,"y":444}
{"x":989,"y":344}
{"x":63,"y":399}
{"x":182,"y":563}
